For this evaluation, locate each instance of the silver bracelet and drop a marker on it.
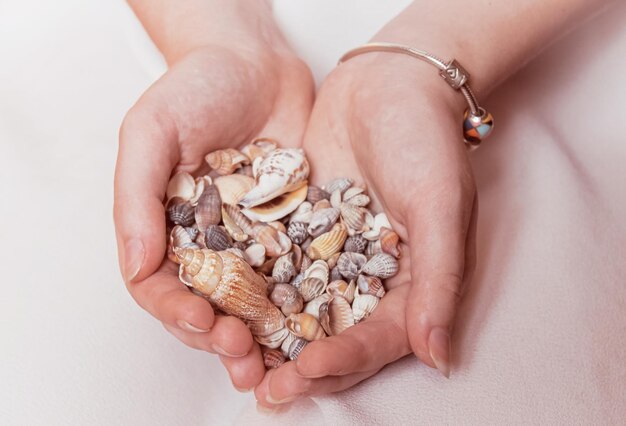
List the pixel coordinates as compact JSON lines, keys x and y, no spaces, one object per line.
{"x":477,"y":122}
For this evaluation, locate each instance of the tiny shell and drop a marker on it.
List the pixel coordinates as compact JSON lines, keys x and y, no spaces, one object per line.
{"x":180,"y":212}
{"x":233,"y":229}
{"x":350,"y":264}
{"x":321,"y":204}
{"x":269,"y":238}
{"x":303,"y":213}
{"x":353,"y":216}
{"x":293,"y":305}
{"x":340,"y":315}
{"x":284,"y":347}
{"x":328,"y":244}
{"x":305,"y":263}
{"x":226,"y":161}
{"x":273,"y":340}
{"x":313,"y":307}
{"x":342,"y":184}
{"x":279,"y":226}
{"x":201,"y":183}
{"x":181,"y":185}
{"x":297,"y":232}
{"x":341,"y":288}
{"x":273,"y":359}
{"x":370,"y":285}
{"x":283,"y":292}
{"x":234,"y":214}
{"x":297,"y":280}
{"x":381,"y":265}
{"x":179,"y":237}
{"x":322,"y":221}
{"x":232,"y":188}
{"x":255,"y":254}
{"x":335,"y":199}
{"x":363,"y":306}
{"x":318,"y":269}
{"x":209,"y":208}
{"x":380,"y":221}
{"x":355,"y":244}
{"x":284,"y":269}
{"x":311,"y":287}
{"x":296,"y":347}
{"x":390,"y":242}
{"x":305,"y":326}
{"x":277,"y":207}
{"x":314,"y":194}
{"x":216,"y":238}
{"x":352,"y":192}
{"x":373,"y":247}
{"x":259,"y":147}
{"x":192,"y":231}
{"x":360,"y":200}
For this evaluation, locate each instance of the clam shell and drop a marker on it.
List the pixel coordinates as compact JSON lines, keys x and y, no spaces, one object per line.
{"x":353,"y":217}
{"x":273,"y":340}
{"x":209,"y":208}
{"x":232,"y":188}
{"x":180,"y":212}
{"x":322,"y":221}
{"x":355,"y":244}
{"x":313,"y":307}
{"x":273,"y":359}
{"x":297,"y":232}
{"x":305,"y":326}
{"x":315,"y":194}
{"x":350,"y":264}
{"x":370,"y":285}
{"x":226,"y":161}
{"x":279,"y":172}
{"x":328,"y":244}
{"x":181,"y":185}
{"x":216,"y":238}
{"x":278,"y":207}
{"x":255,"y":255}
{"x":363,"y":306}
{"x":390,"y":242}
{"x":318,"y":269}
{"x":340,"y":315}
{"x":233,"y":287}
{"x":352,"y":192}
{"x":284,"y":269}
{"x":296,"y":347}
{"x":340,"y":288}
{"x":341,"y":184}
{"x":311,"y":287}
{"x":259,"y":147}
{"x":381,"y":265}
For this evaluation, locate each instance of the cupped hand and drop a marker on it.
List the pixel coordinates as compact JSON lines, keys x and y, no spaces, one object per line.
{"x":212,"y":97}
{"x":391,"y":123}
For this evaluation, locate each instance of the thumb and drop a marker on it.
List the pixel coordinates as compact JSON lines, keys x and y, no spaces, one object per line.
{"x":442,"y":239}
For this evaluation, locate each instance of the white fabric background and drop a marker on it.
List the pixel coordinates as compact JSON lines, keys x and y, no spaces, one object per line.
{"x":542,"y":333}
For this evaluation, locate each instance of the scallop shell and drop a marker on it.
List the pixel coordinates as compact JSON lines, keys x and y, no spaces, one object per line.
{"x":273,"y":340}
{"x":255,"y":255}
{"x":281,"y":171}
{"x":284,"y":269}
{"x":315,"y":194}
{"x":350,"y":264}
{"x":329,"y":243}
{"x":322,"y":221}
{"x":313,"y":307}
{"x":342,"y":184}
{"x":233,"y":188}
{"x":180,"y":212}
{"x":209,"y":208}
{"x":318,"y":269}
{"x":355,"y":244}
{"x":341,"y":288}
{"x":303,"y":213}
{"x":296,"y":347}
{"x":381,"y":265}
{"x":297,"y":232}
{"x":339,"y":314}
{"x":353,"y":217}
{"x":273,"y":359}
{"x":226,"y":161}
{"x":216,"y":238}
{"x":363,"y":306}
{"x":259,"y":147}
{"x":305,"y":326}
{"x":181,"y":185}
{"x":311,"y":287}
{"x":278,"y":207}
{"x":390,"y":242}
{"x":370,"y":285}
{"x":380,"y":221}
{"x":233,"y":287}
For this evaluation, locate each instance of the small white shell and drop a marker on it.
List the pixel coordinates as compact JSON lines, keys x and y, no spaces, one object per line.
{"x":181,"y":185}
{"x":303,"y":213}
{"x":322,"y":221}
{"x":255,"y":255}
{"x":318,"y":269}
{"x":363,"y":306}
{"x":313,"y":307}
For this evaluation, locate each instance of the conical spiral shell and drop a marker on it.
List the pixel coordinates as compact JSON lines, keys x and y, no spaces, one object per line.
{"x":390,"y":242}
{"x":216,"y":238}
{"x":226,"y":161}
{"x":209,"y":208}
{"x":180,"y":212}
{"x":324,"y":246}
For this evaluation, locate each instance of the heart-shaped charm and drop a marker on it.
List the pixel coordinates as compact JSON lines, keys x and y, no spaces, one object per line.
{"x":476,"y":127}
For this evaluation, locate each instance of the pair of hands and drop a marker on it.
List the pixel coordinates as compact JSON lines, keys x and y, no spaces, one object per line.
{"x":385,"y":120}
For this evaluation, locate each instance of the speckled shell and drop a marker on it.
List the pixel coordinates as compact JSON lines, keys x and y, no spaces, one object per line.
{"x":311,"y":287}
{"x":297,"y":232}
{"x":278,"y":207}
{"x":342,"y":184}
{"x":273,"y":359}
{"x":296,"y":347}
{"x":226,"y":161}
{"x":232,"y":188}
{"x":363,"y":306}
{"x":313,"y":307}
{"x":305,"y":326}
{"x":390,"y":242}
{"x":328,"y":244}
{"x":216,"y":238}
{"x":355,"y":244}
{"x":209,"y":208}
{"x":181,"y":185}
{"x":322,"y":221}
{"x":180,"y":212}
{"x":381,"y":265}
{"x":280,"y":171}
{"x":233,"y":287}
{"x":284,"y":269}
{"x":314,"y":194}
{"x":370,"y":285}
{"x":350,"y":264}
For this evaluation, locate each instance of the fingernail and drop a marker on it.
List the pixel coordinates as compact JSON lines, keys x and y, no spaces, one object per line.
{"x":281,"y":401}
{"x":191,"y":328}
{"x":439,"y":349}
{"x":242,"y":390}
{"x":222,"y":351}
{"x":134,"y":254}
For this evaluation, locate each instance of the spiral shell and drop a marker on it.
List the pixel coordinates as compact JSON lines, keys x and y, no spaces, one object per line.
{"x":314,"y":194}
{"x":363,"y":306}
{"x":231,"y":225}
{"x":322,"y":221}
{"x":282,"y":293}
{"x":305,"y":326}
{"x":296,"y":347}
{"x":390,"y":242}
{"x":350,"y":264}
{"x":281,"y":171}
{"x":180,"y":212}
{"x":201,"y":183}
{"x":259,"y":147}
{"x":234,"y":214}
{"x":284,"y":269}
{"x":209,"y":208}
{"x":233,"y":287}
{"x":381,"y":265}
{"x":273,"y":359}
{"x":370,"y":285}
{"x":297,"y":232}
{"x":216,"y":238}
{"x":328,"y":244}
{"x":226,"y":161}
{"x":180,"y":237}
{"x":313,"y":307}
{"x":233,"y":188}
{"x":355,"y":244}
{"x":341,"y":184}
{"x":181,"y":185}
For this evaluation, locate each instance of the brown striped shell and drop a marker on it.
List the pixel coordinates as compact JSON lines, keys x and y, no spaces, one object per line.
{"x":324,"y":246}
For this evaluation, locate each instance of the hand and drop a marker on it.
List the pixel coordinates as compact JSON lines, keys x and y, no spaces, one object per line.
{"x":213,"y":96}
{"x":390,"y":122}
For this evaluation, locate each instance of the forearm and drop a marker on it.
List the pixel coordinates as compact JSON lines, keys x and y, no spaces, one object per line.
{"x":491,"y":39}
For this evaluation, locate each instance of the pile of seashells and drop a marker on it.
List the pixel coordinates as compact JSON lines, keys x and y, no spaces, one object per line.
{"x":293,"y":261}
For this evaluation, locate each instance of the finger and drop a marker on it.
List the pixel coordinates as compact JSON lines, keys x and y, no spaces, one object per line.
{"x":438,"y":234}
{"x":229,"y":336}
{"x":247,"y":371}
{"x":369,"y":345}
{"x":283,"y":385}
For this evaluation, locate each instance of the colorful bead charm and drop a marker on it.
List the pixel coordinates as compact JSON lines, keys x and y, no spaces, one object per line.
{"x":476,"y":127}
